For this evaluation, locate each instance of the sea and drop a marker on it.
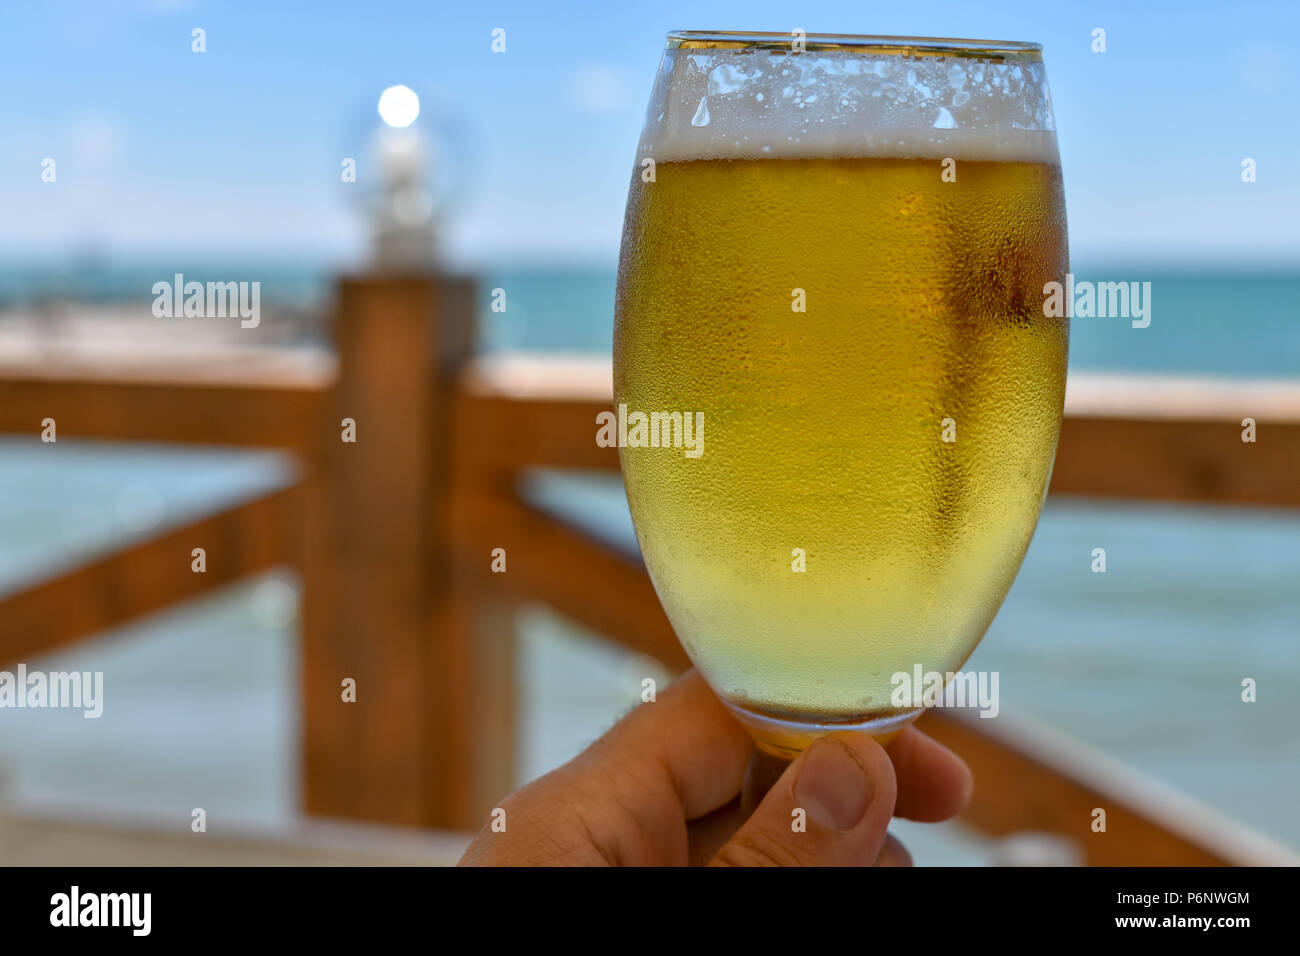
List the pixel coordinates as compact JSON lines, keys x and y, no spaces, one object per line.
{"x":1144,"y":663}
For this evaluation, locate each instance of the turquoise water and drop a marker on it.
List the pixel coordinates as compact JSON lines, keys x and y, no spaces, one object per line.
{"x":1236,"y":323}
{"x":1240,"y":324}
{"x":1144,"y":662}
{"x":92,"y":278}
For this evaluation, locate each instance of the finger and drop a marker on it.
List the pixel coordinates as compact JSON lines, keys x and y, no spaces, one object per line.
{"x":841,"y":790}
{"x":762,"y":773}
{"x":933,"y":782}
{"x":707,"y":834}
{"x":625,"y":799}
{"x":893,"y":853}
{"x":685,"y":741}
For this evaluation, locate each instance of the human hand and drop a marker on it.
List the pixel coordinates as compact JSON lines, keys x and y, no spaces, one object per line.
{"x":663,"y":786}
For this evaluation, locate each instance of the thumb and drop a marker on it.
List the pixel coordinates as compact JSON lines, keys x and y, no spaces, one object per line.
{"x":831,"y":807}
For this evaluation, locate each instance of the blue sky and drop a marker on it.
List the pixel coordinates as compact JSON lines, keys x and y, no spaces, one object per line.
{"x":236,"y":151}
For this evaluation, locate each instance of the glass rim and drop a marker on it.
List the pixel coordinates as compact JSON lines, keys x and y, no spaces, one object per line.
{"x":883,"y":44}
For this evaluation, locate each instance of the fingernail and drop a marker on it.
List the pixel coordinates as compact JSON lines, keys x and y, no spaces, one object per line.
{"x":833,"y":787}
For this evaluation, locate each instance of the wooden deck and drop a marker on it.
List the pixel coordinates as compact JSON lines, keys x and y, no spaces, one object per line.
{"x":393,"y":534}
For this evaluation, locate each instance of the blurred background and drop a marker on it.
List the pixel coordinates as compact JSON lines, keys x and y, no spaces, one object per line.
{"x":231,"y":164}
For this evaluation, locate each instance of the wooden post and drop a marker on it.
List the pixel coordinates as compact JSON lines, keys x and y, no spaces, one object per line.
{"x":381,"y":604}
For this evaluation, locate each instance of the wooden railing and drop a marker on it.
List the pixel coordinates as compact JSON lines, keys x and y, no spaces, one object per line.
{"x":393,"y":535}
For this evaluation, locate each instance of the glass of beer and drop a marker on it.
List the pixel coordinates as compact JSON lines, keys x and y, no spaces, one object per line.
{"x":838,"y":392}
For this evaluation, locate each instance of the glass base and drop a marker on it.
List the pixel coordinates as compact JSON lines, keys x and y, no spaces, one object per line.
{"x":786,"y":738}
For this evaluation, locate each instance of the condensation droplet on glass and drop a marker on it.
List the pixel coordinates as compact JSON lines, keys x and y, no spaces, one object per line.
{"x":701,"y":117}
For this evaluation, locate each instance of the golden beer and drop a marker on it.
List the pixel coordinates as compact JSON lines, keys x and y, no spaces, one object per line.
{"x":881,"y":395}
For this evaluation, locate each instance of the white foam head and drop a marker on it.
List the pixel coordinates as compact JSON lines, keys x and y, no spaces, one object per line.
{"x":768,"y":101}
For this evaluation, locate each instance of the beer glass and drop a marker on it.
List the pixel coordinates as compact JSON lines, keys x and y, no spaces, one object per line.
{"x":838,"y":392}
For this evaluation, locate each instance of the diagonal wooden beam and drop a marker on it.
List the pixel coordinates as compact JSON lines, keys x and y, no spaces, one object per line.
{"x":1048,"y":781}
{"x":550,"y":562}
{"x":242,"y":541}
